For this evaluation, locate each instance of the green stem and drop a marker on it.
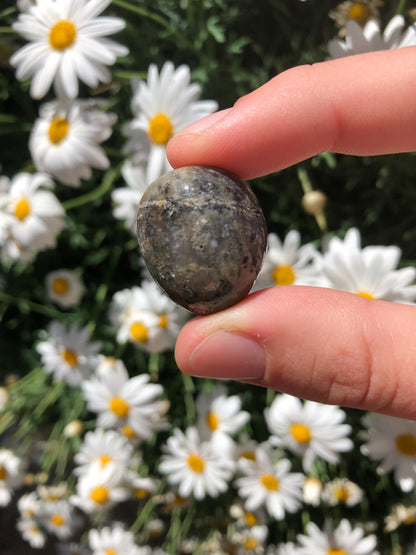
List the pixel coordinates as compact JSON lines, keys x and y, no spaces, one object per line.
{"x":144,"y":513}
{"x":110,"y":176}
{"x":304,"y":180}
{"x":8,"y":11}
{"x":400,"y":7}
{"x":152,"y":16}
{"x":25,"y":306}
{"x":189,"y":399}
{"x":154,"y":360}
{"x":49,"y":399}
{"x":307,"y":187}
{"x":141,"y":11}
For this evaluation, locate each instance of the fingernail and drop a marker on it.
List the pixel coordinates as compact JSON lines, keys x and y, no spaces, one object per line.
{"x":227,"y":355}
{"x":204,"y":123}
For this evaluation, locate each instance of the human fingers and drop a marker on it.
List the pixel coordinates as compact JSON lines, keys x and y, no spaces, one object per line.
{"x":360,"y":105}
{"x":314,"y":343}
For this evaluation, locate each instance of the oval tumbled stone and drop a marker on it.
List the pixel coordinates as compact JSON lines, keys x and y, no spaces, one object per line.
{"x":202,"y":235}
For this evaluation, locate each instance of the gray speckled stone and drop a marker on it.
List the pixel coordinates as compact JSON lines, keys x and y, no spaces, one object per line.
{"x":202,"y":235}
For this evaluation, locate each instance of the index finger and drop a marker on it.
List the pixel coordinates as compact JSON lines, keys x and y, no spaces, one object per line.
{"x":362,"y":105}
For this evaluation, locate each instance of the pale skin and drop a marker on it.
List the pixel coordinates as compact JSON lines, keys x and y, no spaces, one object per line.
{"x":314,"y":343}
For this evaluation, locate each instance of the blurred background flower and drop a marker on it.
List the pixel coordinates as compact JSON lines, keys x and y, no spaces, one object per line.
{"x":105,"y":447}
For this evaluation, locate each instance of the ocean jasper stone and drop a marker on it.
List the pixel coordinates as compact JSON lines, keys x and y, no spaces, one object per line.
{"x":202,"y":235}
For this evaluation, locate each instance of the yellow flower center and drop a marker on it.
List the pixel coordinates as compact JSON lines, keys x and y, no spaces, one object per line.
{"x":336,"y":552}
{"x":269,"y":482}
{"x":111,"y":552}
{"x":62,"y":35}
{"x":141,"y":493}
{"x":34,"y":529}
{"x":104,"y":460}
{"x":250,"y":544}
{"x":365,"y":294}
{"x":180,"y":501}
{"x":138,"y":332}
{"x":163,"y":321}
{"x":60,"y":286}
{"x":359,"y":12}
{"x":22,"y":209}
{"x":301,"y":433}
{"x":284,"y":275}
{"x":57,"y":519}
{"x":249,"y":455}
{"x":342,"y":494}
{"x":119,"y":407}
{"x":70,"y":357}
{"x":196,"y":463}
{"x":3,"y":473}
{"x":128,"y":432}
{"x":99,"y":494}
{"x":406,"y":444}
{"x":250,"y":518}
{"x":160,"y":129}
{"x":212,"y":421}
{"x":58,"y":129}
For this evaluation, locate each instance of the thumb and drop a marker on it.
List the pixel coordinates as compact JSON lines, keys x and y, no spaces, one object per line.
{"x":319,"y":344}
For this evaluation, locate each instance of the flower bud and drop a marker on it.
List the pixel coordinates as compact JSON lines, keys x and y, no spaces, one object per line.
{"x":73,"y":428}
{"x":313,"y":202}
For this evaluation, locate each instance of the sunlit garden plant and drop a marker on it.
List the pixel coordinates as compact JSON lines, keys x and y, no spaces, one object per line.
{"x":106,"y":447}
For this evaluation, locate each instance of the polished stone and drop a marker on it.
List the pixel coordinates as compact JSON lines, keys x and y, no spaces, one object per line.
{"x":202,"y":235}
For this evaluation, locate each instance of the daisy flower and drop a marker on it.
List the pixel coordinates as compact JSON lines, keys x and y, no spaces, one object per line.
{"x":114,"y":540}
{"x":64,"y":287}
{"x":271,"y":484}
{"x":342,"y":491}
{"x":245,"y":518}
{"x":99,"y":490}
{"x":288,"y":548}
{"x":29,"y":505}
{"x":198,"y":467}
{"x":370,"y":38}
{"x":219,"y":413}
{"x":140,"y":486}
{"x":161,"y":107}
{"x":342,"y":539}
{"x":31,"y":532}
{"x":312,"y":490}
{"x":101,"y":447}
{"x":30,"y":211}
{"x":400,"y":514}
{"x":65,"y":140}
{"x":312,"y":430}
{"x":147,"y":317}
{"x":126,"y":199}
{"x":393,"y":442}
{"x":370,"y":272}
{"x":11,"y":475}
{"x":24,"y":5}
{"x":131,"y":404}
{"x":288,"y":263}
{"x":66,"y":44}
{"x":361,"y":12}
{"x":245,"y":448}
{"x":50,"y":494}
{"x":251,"y":540}
{"x":68,"y":353}
{"x":57,"y":518}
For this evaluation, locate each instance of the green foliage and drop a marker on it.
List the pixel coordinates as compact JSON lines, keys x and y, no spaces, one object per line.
{"x":231,"y":48}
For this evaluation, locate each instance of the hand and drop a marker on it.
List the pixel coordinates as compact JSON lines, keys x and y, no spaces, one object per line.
{"x":320,"y":344}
